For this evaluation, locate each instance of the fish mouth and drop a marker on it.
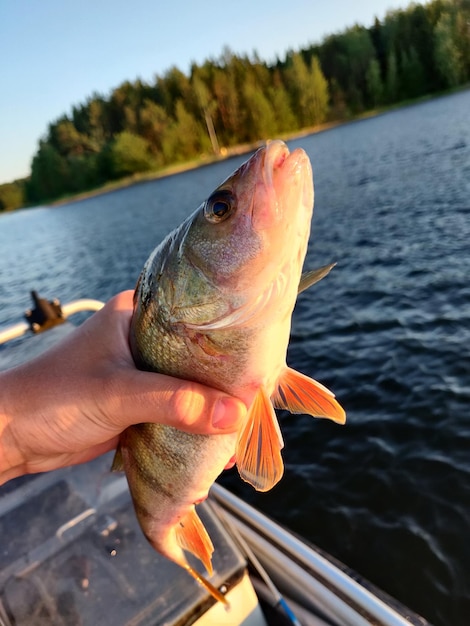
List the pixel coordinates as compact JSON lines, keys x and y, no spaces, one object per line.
{"x":285,"y":185}
{"x":275,"y":155}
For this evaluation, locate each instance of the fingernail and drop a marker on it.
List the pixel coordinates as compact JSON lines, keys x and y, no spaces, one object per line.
{"x":227,"y":413}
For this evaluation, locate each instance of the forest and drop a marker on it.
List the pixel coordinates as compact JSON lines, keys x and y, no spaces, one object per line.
{"x":144,"y":127}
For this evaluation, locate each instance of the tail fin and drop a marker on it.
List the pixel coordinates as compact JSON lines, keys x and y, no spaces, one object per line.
{"x":215,"y":593}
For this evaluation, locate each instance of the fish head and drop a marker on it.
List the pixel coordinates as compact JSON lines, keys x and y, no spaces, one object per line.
{"x":252,"y":232}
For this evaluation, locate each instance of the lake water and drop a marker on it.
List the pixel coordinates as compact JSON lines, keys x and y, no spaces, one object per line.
{"x":388,"y":331}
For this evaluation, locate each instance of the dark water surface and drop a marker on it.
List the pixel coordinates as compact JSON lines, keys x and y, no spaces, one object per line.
{"x":388,"y":331}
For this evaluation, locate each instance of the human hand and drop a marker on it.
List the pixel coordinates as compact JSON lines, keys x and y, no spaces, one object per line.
{"x":70,"y":404}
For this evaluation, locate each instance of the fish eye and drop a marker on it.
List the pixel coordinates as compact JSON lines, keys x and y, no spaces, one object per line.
{"x":219,"y":206}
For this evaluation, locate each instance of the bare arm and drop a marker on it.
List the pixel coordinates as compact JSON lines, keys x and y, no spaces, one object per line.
{"x":70,"y":404}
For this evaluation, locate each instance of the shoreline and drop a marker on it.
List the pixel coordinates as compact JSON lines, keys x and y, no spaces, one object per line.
{"x":202,"y":161}
{"x":179,"y":168}
{"x":238,"y":150}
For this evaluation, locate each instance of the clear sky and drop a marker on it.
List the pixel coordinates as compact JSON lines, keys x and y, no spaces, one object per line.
{"x":56,"y":53}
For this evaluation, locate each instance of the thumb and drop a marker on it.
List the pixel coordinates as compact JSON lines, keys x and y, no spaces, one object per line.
{"x":189,"y":406}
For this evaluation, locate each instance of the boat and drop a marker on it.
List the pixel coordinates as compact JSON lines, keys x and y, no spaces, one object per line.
{"x":72,"y":551}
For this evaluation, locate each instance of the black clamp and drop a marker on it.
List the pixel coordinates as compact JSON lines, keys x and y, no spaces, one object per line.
{"x":45,"y":314}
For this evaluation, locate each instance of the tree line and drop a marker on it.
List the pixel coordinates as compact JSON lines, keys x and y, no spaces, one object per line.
{"x":235,"y":99}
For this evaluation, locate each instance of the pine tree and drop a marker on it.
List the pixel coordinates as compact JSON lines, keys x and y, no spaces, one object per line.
{"x":391,"y":85}
{"x":129,"y":154}
{"x":319,"y":93}
{"x":375,"y":88}
{"x":448,"y":58}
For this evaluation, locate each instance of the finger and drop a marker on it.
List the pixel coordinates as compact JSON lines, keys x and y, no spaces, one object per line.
{"x":189,"y":406}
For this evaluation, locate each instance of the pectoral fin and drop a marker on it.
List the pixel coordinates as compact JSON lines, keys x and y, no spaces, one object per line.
{"x":300,"y":394}
{"x":313,"y":276}
{"x":259,"y":447}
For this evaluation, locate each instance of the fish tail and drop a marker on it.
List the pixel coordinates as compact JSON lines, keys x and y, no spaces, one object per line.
{"x":215,"y":593}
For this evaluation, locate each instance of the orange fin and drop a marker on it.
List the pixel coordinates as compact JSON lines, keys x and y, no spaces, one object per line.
{"x":192,"y":536}
{"x":300,"y":394}
{"x":259,"y":446}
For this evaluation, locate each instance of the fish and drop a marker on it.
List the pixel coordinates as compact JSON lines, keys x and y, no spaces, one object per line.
{"x":213,"y":304}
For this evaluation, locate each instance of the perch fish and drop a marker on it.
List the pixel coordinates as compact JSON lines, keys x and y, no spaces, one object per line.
{"x":213,"y":304}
